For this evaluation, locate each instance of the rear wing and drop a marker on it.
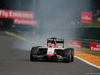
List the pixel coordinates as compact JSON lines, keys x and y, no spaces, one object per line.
{"x":57,"y":40}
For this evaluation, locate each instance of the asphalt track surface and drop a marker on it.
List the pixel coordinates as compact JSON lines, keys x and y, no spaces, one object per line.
{"x":15,"y":61}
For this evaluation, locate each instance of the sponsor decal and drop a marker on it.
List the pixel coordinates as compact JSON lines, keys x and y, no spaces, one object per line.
{"x":94,"y":46}
{"x":25,"y":22}
{"x":86,"y":17}
{"x":74,"y":44}
{"x":16,"y":14}
{"x":50,"y":52}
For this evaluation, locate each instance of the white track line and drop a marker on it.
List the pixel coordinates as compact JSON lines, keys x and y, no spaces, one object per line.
{"x":74,"y":56}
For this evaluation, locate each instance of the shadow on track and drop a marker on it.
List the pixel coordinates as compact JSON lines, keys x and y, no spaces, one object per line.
{"x":45,"y":61}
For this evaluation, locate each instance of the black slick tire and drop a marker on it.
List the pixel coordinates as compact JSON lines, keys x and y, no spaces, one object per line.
{"x":34,"y":51}
{"x":72,"y":55}
{"x":67,"y":55}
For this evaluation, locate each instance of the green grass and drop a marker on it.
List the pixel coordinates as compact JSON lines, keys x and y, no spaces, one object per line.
{"x":87,"y":50}
{"x":95,"y":23}
{"x":15,"y":34}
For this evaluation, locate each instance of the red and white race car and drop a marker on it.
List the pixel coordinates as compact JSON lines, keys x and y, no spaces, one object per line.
{"x":53,"y":51}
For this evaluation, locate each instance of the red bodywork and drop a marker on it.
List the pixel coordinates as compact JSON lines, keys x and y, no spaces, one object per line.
{"x":55,"y":46}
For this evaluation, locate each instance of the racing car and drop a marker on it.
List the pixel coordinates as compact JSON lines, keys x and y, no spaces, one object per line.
{"x":53,"y":51}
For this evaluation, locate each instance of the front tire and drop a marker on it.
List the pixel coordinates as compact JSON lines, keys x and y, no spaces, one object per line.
{"x":34,"y":51}
{"x":72,"y":55}
{"x":67,"y":55}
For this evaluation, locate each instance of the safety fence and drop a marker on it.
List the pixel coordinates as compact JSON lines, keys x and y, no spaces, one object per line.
{"x":86,"y":42}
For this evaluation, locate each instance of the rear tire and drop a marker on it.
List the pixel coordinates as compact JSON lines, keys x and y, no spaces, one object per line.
{"x":67,"y":55}
{"x":34,"y":51}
